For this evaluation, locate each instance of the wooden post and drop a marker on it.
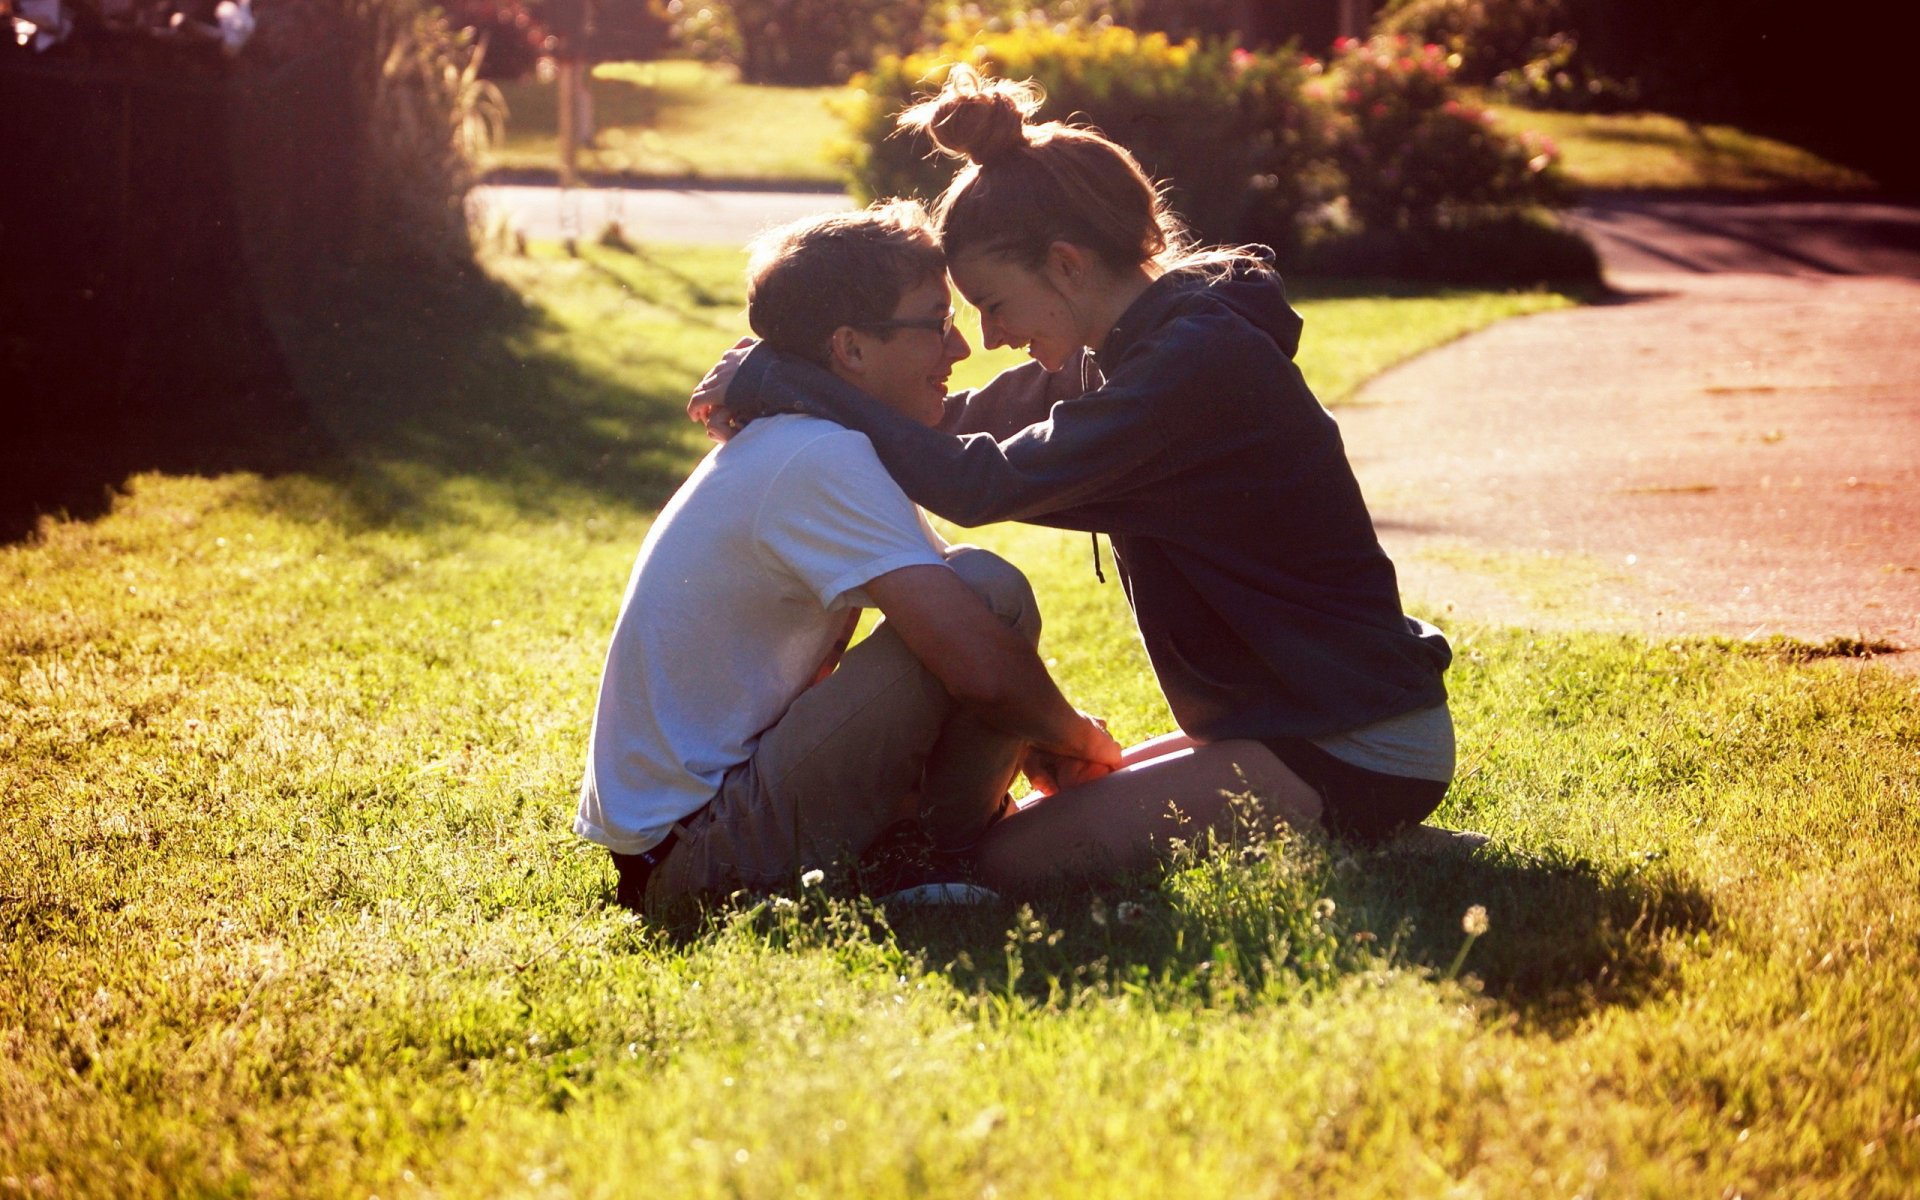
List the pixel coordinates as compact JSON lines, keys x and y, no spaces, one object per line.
{"x":569,"y":84}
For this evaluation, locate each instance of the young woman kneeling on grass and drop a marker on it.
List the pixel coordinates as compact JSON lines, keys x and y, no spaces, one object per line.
{"x":1269,"y":611}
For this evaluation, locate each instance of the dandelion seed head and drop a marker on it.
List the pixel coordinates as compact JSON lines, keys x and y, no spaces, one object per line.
{"x":1130,"y":912}
{"x":1475,"y":920}
{"x":812,"y":878}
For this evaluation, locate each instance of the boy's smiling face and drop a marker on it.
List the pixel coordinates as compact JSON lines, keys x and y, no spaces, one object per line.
{"x":906,"y":364}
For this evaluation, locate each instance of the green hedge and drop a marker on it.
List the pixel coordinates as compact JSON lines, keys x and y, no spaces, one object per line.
{"x":1242,"y":150}
{"x":1274,"y":147}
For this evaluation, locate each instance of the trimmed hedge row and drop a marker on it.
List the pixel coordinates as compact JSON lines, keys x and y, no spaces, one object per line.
{"x":1275,"y":147}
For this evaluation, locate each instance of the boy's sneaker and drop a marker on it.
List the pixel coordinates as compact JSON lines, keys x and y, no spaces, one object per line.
{"x":939,"y":894}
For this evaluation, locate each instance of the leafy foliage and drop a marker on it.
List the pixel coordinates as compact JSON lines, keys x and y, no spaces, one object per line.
{"x":517,"y":34}
{"x":426,"y":117}
{"x":1251,"y":145}
{"x":1243,"y":151}
{"x":1530,"y":50}
{"x":1414,"y":156}
{"x":803,"y":41}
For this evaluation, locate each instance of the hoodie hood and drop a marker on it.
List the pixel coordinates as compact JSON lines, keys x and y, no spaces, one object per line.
{"x":1246,"y":285}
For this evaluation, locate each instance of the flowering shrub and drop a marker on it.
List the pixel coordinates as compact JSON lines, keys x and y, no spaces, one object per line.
{"x":1254,"y":146}
{"x":1529,"y":50}
{"x":1489,"y":36}
{"x":1414,"y":156}
{"x":1242,"y":151}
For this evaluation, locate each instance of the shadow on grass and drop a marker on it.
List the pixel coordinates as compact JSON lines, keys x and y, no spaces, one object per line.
{"x":105,"y":378}
{"x":1259,"y":923}
{"x":417,"y":384}
{"x":1566,"y":938}
{"x":388,"y":383}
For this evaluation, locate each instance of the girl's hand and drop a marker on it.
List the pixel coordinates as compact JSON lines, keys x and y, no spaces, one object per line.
{"x":708,"y":405}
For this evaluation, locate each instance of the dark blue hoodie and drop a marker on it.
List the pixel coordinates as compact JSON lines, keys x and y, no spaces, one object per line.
{"x":1267,"y":607}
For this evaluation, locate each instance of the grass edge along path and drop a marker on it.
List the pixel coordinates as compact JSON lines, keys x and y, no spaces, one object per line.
{"x":680,"y":120}
{"x":290,"y":905}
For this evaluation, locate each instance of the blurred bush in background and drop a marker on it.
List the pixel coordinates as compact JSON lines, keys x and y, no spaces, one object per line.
{"x":1271,"y":146}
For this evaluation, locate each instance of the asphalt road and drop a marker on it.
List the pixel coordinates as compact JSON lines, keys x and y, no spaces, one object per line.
{"x":703,"y":216}
{"x":1732,"y":447}
{"x":1646,"y":235}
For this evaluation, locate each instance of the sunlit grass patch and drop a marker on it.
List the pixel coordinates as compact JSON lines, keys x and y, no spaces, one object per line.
{"x":290,"y":904}
{"x":680,"y":119}
{"x":1354,"y":329}
{"x":1656,"y":151}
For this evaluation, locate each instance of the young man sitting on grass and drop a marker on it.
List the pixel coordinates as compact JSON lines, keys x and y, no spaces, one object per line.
{"x":736,"y":743}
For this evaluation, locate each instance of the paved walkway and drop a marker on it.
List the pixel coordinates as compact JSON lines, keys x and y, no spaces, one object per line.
{"x":1732,"y":448}
{"x":722,"y":216}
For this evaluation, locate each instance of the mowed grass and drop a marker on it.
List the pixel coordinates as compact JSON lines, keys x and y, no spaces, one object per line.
{"x":1656,"y":152}
{"x":677,"y":119}
{"x":290,"y":904}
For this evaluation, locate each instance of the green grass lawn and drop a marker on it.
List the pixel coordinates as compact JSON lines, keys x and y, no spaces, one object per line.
{"x":290,"y":904}
{"x":1658,"y":152}
{"x":685,"y":119}
{"x":680,"y":119}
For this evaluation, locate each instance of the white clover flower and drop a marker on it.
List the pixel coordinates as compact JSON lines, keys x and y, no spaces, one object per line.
{"x":812,"y":878}
{"x":1475,"y":920}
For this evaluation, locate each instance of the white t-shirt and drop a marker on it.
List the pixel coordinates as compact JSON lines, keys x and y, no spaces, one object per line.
{"x":740,"y":590}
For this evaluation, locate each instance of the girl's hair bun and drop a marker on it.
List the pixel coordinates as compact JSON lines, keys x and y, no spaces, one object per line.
{"x":976,"y":118}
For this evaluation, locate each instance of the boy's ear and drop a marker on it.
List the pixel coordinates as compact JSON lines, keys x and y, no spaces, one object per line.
{"x":843,"y":349}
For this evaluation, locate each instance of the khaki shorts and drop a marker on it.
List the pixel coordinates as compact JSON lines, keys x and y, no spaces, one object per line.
{"x":877,"y":741}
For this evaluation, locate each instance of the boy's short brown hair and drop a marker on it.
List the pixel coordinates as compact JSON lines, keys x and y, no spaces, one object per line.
{"x":807,"y":279}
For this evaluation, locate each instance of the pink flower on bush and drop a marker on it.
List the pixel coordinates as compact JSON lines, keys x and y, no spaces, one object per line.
{"x":1241,"y":59}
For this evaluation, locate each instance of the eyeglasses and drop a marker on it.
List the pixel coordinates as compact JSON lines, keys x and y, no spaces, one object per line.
{"x":941,"y":325}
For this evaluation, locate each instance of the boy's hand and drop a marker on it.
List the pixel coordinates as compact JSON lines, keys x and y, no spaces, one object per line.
{"x":1051,"y":772}
{"x":708,"y":405}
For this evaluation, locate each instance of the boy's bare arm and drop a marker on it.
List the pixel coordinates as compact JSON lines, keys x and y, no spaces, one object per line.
{"x":985,"y":665}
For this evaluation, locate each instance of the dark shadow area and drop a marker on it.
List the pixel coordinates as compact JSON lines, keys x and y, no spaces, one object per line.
{"x":420,"y":379}
{"x":130,"y":335}
{"x":1515,"y":250}
{"x":1672,"y":256}
{"x":174,"y":297}
{"x":1707,"y":232}
{"x":1566,"y":936}
{"x":1263,"y":922}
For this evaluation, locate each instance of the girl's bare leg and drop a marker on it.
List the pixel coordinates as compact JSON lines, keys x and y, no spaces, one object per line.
{"x":1158,"y":747}
{"x":1129,"y":819}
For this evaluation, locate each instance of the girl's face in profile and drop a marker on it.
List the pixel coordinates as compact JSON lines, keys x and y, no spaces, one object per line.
{"x":1019,"y":307}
